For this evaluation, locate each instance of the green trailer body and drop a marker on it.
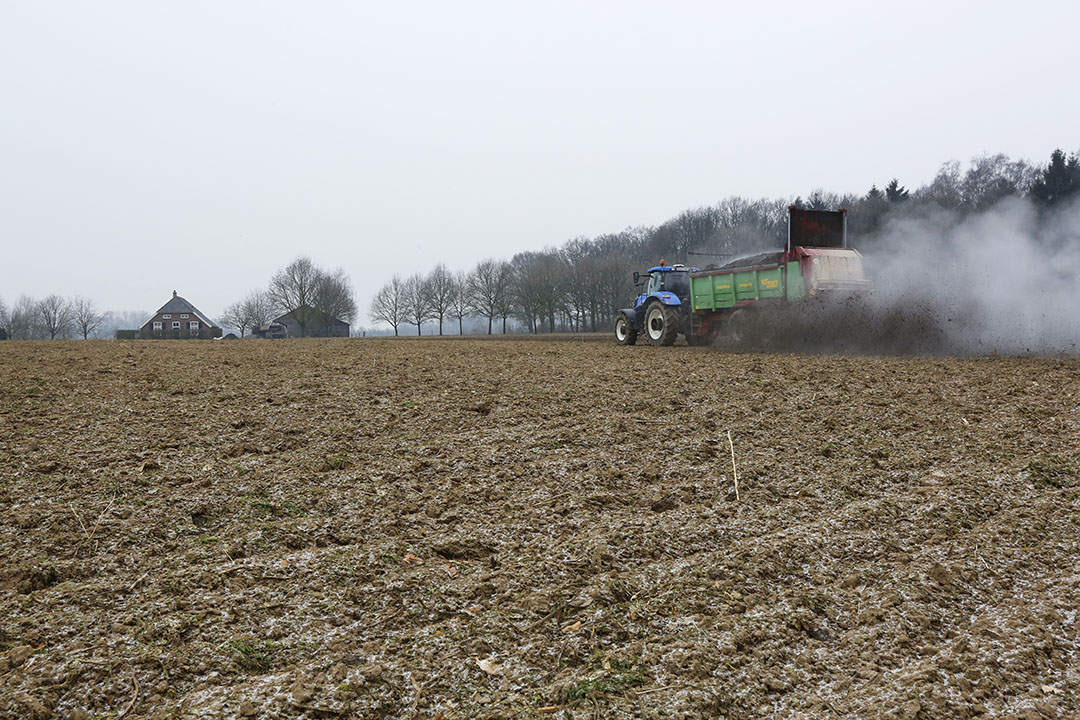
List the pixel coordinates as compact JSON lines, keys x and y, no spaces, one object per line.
{"x":724,"y":290}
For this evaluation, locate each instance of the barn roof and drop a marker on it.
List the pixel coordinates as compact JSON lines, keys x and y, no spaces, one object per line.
{"x":318,"y":314}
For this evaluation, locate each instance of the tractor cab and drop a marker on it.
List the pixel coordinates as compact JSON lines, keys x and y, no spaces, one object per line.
{"x":668,"y":283}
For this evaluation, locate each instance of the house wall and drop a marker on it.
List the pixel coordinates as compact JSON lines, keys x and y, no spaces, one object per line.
{"x":167,"y":330}
{"x":315,"y":328}
{"x":335,"y":330}
{"x":205,"y":333}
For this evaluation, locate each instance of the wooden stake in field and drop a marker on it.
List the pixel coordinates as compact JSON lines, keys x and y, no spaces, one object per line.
{"x":734,"y":470}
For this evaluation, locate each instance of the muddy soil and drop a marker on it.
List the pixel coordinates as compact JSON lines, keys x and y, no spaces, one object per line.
{"x":498,"y":529}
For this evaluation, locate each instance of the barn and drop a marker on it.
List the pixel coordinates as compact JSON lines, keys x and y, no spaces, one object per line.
{"x":309,"y":322}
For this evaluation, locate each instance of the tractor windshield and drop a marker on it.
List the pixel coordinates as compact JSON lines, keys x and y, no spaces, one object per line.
{"x":654,"y":283}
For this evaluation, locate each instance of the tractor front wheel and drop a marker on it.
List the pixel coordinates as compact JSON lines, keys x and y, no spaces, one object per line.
{"x":661,"y":324}
{"x":624,"y":333}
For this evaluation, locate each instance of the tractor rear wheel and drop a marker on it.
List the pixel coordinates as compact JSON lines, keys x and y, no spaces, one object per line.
{"x":661,"y":324}
{"x":624,"y":333}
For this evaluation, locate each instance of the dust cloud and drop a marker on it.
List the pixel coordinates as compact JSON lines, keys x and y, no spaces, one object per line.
{"x":1005,"y":280}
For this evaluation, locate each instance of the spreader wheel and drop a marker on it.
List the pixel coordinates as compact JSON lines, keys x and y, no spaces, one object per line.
{"x":738,"y":327}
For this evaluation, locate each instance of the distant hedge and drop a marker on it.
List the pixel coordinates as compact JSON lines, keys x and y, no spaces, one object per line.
{"x":171,"y":334}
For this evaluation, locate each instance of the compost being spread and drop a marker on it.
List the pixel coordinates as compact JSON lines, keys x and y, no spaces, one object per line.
{"x":701,"y":304}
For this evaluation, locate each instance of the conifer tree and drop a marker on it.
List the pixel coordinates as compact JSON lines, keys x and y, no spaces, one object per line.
{"x":1060,"y":179}
{"x":895,"y":192}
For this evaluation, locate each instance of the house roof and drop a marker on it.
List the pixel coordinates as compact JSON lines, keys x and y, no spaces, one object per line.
{"x":180,"y":305}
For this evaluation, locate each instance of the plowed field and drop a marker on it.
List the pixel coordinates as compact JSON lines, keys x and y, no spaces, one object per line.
{"x":496,"y":529}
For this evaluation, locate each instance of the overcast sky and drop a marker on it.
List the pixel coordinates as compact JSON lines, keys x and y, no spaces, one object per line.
{"x":200,"y":146}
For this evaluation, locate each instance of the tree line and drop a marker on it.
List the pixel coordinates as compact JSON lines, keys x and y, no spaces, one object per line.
{"x":578,"y":286}
{"x":573,"y":288}
{"x":52,"y":318}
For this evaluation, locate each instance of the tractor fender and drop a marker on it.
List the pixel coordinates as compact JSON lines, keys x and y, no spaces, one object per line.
{"x":667,"y":298}
{"x":632,"y":317}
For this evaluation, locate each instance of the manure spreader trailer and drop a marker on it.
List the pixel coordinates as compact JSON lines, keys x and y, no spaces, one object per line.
{"x":701,"y":304}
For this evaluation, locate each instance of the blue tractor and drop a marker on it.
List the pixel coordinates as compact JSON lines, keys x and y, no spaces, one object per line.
{"x":662,"y":311}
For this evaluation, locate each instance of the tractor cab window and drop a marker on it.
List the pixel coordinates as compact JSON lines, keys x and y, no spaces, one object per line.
{"x":678,"y":283}
{"x":655,"y":282}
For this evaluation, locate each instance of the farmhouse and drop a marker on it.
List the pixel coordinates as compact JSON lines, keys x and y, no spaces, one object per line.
{"x":309,"y":322}
{"x":179,"y":319}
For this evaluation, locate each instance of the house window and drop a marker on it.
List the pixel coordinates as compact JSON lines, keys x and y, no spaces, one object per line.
{"x":157,"y":327}
{"x":167,"y":317}
{"x":194,"y":325}
{"x":184,"y":316}
{"x":194,"y":331}
{"x":176,"y":325}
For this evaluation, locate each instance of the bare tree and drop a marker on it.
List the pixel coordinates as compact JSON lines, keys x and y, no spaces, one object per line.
{"x":504,"y":298}
{"x":541,"y":280}
{"x":24,"y":321}
{"x":489,"y":285}
{"x":694,"y":229}
{"x":442,"y":289}
{"x":233,"y":316}
{"x":258,"y":308}
{"x":294,"y":289}
{"x":525,"y":299}
{"x":85,"y":316}
{"x":4,"y":319}
{"x":388,"y":306}
{"x":111,"y":321}
{"x":418,"y":307}
{"x":945,"y":189}
{"x":333,"y":298}
{"x":461,"y":305}
{"x":994,"y":177}
{"x":615,"y":285}
{"x":250,"y":313}
{"x":54,"y":313}
{"x":746,"y":225}
{"x":582,"y":288}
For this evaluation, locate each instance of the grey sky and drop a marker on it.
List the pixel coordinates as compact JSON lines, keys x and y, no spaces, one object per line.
{"x":199,"y":146}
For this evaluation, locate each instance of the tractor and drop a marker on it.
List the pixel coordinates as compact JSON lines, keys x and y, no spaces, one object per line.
{"x":662,"y":310}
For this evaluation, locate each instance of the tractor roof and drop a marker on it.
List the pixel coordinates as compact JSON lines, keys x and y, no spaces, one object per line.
{"x":672,"y":268}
